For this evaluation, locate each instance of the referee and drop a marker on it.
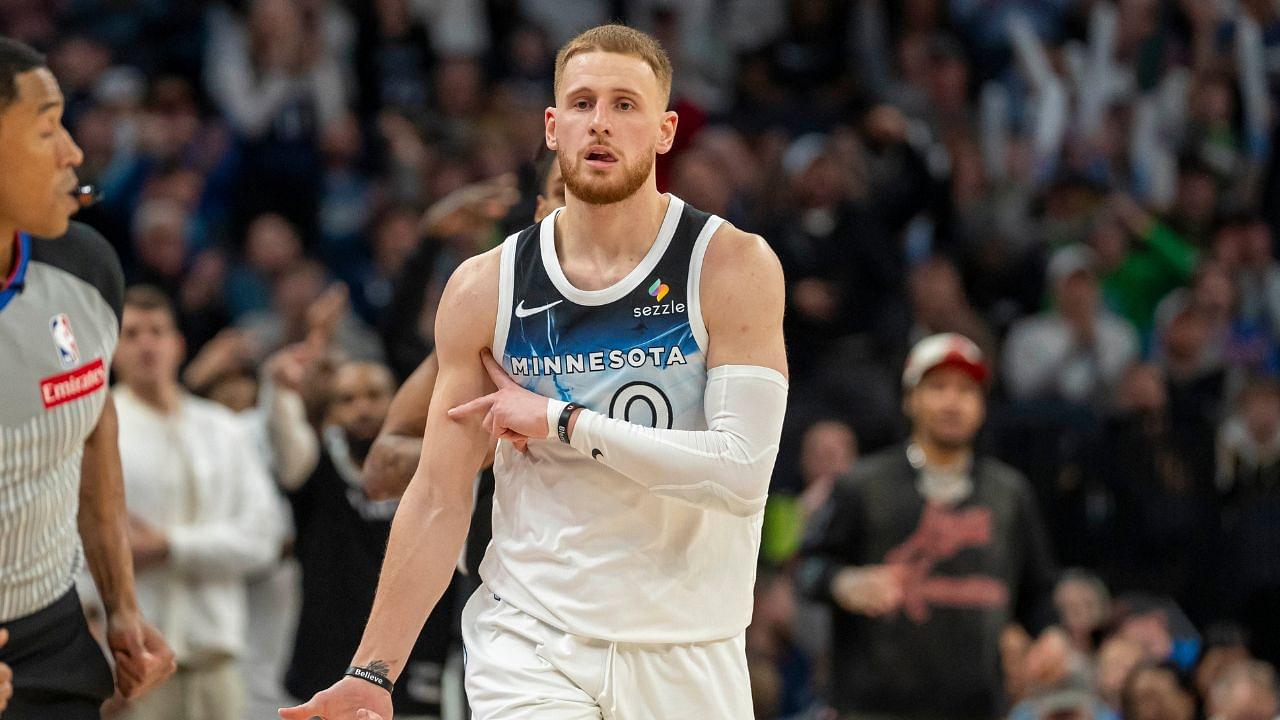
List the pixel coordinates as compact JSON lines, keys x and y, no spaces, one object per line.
{"x":61,"y":494}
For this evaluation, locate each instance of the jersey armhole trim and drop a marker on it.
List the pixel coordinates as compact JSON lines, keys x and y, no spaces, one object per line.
{"x":696,"y":323}
{"x":506,"y":288}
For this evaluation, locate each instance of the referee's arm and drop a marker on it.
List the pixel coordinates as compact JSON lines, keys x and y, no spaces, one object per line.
{"x":142,"y":657}
{"x":102,"y":517}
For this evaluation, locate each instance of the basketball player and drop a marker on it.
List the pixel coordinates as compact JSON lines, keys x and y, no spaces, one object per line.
{"x":636,"y":347}
{"x":60,"y":480}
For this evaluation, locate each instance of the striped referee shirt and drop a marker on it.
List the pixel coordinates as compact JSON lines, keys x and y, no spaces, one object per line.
{"x":59,"y":322}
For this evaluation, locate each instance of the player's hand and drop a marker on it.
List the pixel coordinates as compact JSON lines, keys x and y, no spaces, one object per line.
{"x":143,"y":658}
{"x":874,"y":591}
{"x":6,"y":675}
{"x":511,"y":413}
{"x":348,"y":699}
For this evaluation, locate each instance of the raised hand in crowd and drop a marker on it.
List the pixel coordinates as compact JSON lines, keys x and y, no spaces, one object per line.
{"x":471,"y":210}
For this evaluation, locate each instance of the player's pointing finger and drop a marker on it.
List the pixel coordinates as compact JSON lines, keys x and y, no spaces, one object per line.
{"x":467,"y":408}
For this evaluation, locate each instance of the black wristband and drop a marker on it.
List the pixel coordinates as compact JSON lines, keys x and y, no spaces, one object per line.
{"x":378,"y":679}
{"x":562,"y":426}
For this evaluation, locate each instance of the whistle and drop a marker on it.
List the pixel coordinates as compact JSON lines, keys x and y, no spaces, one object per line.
{"x":87,"y":195}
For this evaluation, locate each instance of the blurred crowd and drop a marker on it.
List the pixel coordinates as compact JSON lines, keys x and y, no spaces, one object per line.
{"x":1088,"y":189}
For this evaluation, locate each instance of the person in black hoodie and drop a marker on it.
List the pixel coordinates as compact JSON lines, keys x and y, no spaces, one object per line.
{"x":341,"y":537}
{"x":927,"y":553}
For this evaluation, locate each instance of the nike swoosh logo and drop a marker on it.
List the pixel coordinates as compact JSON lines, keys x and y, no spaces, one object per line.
{"x":523,"y":312}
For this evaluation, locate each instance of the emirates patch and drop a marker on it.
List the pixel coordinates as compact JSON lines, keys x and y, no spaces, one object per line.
{"x":73,"y":385}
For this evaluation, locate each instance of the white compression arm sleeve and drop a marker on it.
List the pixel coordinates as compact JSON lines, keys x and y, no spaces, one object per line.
{"x":725,"y":468}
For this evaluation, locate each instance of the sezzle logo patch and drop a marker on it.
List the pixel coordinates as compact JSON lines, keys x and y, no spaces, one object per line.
{"x":658,"y":291}
{"x":64,"y":388}
{"x":64,"y":340}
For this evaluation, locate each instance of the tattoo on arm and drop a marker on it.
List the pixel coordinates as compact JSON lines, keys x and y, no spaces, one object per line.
{"x":379,"y":667}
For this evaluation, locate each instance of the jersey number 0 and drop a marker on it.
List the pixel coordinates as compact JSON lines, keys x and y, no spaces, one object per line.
{"x":642,"y":403}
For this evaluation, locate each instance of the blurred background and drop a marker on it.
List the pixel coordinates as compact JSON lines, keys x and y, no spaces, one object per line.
{"x":1086,"y":188}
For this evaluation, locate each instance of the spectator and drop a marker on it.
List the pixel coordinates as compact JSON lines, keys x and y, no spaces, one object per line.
{"x":1075,"y":352}
{"x":828,"y":450}
{"x":341,"y":537}
{"x":347,"y":198}
{"x":288,"y":445}
{"x":202,"y":516}
{"x":939,"y":304}
{"x":1246,"y":691}
{"x":1117,"y":658}
{"x":1258,"y":279}
{"x":1196,"y":202}
{"x":271,"y":247}
{"x":1212,"y":296}
{"x":1140,"y":260}
{"x":270,"y":75}
{"x":1084,"y":605}
{"x":926,"y":551}
{"x":1225,"y":646}
{"x":1155,"y":692}
{"x":840,"y":264}
{"x":299,"y":298}
{"x":1158,"y":624}
{"x":1249,"y":444}
{"x":160,"y":244}
{"x":452,"y":230}
{"x":1161,"y":495}
{"x":1249,"y":486}
{"x":394,"y":59}
{"x":394,"y":236}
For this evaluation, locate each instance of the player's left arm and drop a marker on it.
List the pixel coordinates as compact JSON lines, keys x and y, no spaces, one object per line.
{"x":727,"y":467}
{"x":143,"y":660}
{"x":742,"y":297}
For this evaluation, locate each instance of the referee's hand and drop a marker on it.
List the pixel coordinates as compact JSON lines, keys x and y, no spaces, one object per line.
{"x":143,"y":658}
{"x":6,"y":676}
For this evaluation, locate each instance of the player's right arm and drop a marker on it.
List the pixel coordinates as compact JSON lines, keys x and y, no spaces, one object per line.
{"x":432,"y":521}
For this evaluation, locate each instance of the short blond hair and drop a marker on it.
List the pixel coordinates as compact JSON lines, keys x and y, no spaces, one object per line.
{"x":619,"y":39}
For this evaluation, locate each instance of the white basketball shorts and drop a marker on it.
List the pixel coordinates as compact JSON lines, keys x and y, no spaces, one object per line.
{"x":519,"y":667}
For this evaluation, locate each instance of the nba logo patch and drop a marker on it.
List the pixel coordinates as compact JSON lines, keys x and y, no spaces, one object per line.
{"x":64,"y":340}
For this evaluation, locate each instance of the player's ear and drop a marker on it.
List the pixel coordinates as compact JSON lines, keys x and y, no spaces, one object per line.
{"x":667,"y":131}
{"x":549,"y":120}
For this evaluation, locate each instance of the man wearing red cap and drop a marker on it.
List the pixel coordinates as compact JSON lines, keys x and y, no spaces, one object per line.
{"x":928,"y":552}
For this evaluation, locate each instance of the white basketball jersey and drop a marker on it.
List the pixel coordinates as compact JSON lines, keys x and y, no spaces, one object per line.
{"x":576,"y":544}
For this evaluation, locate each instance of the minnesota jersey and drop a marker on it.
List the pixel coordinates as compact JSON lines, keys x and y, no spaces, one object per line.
{"x":575,"y":543}
{"x":59,"y":322}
